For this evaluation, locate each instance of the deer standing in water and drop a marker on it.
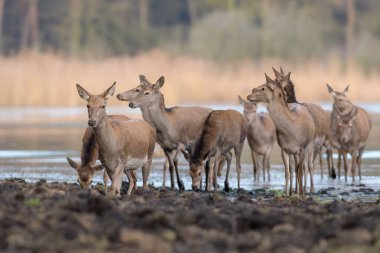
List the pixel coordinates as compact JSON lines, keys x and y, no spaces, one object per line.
{"x":222,"y":131}
{"x":352,"y":126}
{"x":261,"y":135}
{"x":175,"y":126}
{"x":89,"y":154}
{"x":123,"y":146}
{"x":295,"y":129}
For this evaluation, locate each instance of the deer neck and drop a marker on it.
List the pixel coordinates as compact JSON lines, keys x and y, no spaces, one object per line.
{"x":104,"y":135}
{"x":158,"y":116}
{"x":281,"y":115}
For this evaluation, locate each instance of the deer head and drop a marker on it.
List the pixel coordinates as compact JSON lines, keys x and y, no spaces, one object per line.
{"x":149,"y":96}
{"x":85,"y":173}
{"x":341,"y":100}
{"x":195,"y":171}
{"x":345,"y":123}
{"x":250,"y":109}
{"x":266,"y":92}
{"x":132,"y":94}
{"x":96,"y":104}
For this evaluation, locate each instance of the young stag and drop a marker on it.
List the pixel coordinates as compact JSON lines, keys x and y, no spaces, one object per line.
{"x":123,"y":146}
{"x":175,"y":126}
{"x":261,"y":135}
{"x":295,"y":129}
{"x":89,"y":155}
{"x":223,"y":130}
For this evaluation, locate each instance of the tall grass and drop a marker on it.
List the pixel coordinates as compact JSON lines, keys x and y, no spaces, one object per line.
{"x":49,"y":80}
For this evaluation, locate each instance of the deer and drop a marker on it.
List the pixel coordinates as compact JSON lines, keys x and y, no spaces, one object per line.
{"x":89,"y":154}
{"x":353,"y":125}
{"x":318,"y":114}
{"x":222,"y":131}
{"x":261,"y":135}
{"x":175,"y":126}
{"x":295,"y":129}
{"x":123,"y":146}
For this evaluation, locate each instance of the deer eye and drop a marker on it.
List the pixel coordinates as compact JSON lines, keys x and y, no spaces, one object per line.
{"x":137,"y":90}
{"x":103,"y":106}
{"x":146,"y":93}
{"x":88,"y":106}
{"x":262,"y":89}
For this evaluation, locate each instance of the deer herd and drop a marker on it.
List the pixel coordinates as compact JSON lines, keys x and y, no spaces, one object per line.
{"x":207,"y":137}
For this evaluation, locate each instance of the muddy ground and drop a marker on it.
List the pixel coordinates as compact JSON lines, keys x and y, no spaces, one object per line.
{"x":58,"y":217}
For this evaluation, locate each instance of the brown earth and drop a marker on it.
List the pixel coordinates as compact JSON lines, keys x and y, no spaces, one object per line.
{"x":58,"y":217}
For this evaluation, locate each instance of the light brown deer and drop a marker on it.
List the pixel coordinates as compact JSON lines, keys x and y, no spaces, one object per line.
{"x":223,"y":130}
{"x":317,"y":113}
{"x":261,"y":135}
{"x":295,"y":129}
{"x":123,"y":146}
{"x":353,"y":128}
{"x":174,"y":126}
{"x":89,"y":154}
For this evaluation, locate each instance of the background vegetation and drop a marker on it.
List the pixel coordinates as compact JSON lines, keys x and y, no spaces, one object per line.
{"x":205,"y":47}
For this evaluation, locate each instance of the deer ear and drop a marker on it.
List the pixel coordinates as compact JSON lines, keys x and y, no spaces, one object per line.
{"x":277,"y":74}
{"x":160,"y":82}
{"x":186,"y":155}
{"x":109,"y":92}
{"x":144,"y":81}
{"x":73,"y":164}
{"x":330,"y":90}
{"x":83,"y":93}
{"x":282,"y":71}
{"x":97,"y":167}
{"x":287,"y":77}
{"x":241,"y":100}
{"x":267,"y":78}
{"x":346,"y":90}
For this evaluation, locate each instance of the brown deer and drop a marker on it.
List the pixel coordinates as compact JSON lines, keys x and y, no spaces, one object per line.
{"x":89,"y":155}
{"x":354,"y":125}
{"x":223,"y":130}
{"x":295,"y":129}
{"x":318,"y":114}
{"x":174,"y":126}
{"x":123,"y":146}
{"x":261,"y":135}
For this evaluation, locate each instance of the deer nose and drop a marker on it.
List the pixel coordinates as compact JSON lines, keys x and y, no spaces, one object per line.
{"x":92,"y":122}
{"x":131,"y":105}
{"x":120,"y":97}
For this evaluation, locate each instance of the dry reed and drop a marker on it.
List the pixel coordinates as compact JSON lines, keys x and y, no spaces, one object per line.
{"x":49,"y":80}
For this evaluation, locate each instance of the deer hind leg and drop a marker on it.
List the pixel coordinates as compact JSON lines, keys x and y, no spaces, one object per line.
{"x":221,"y":163}
{"x":339,"y":162}
{"x":285,"y":159}
{"x":293,"y":161}
{"x":237,"y":157}
{"x":321,"y":162}
{"x":300,"y":170}
{"x":311,"y":169}
{"x":105,"y":181}
{"x":170,"y":156}
{"x":359,"y":161}
{"x":228,"y":156}
{"x":132,"y":181}
{"x":266,"y":165}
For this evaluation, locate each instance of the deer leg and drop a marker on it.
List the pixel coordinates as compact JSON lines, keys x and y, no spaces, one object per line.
{"x":170,"y":156}
{"x":254,"y":163}
{"x":300,"y":169}
{"x":165,"y":168}
{"x":105,"y":181}
{"x":132,"y":181}
{"x":285,"y":159}
{"x":145,"y":172}
{"x":229,"y":160}
{"x":321,"y":162}
{"x":115,"y":180}
{"x":207,"y":173}
{"x":213,"y":171}
{"x":221,"y":163}
{"x":359,"y":161}
{"x":354,"y":158}
{"x":339,"y":162}
{"x":237,"y":158}
{"x":344,"y":154}
{"x":305,"y":174}
{"x":267,"y":163}
{"x":311,"y":168}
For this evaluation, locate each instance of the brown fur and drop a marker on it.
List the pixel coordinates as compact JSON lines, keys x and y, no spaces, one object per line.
{"x":222,"y":131}
{"x":295,"y":128}
{"x":123,"y":145}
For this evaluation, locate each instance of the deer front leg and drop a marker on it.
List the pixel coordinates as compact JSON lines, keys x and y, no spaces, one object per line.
{"x":132,"y":181}
{"x":229,"y":160}
{"x":254,"y":162}
{"x":285,"y":159}
{"x":115,"y":176}
{"x":237,"y":158}
{"x":145,"y":172}
{"x":105,"y":181}
{"x":165,"y":168}
{"x":354,"y":157}
{"x":359,"y":161}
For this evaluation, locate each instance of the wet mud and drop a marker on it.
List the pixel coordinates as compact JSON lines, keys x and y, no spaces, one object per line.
{"x":59,"y":217}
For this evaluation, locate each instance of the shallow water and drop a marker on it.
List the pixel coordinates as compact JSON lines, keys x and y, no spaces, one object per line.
{"x":34,"y":143}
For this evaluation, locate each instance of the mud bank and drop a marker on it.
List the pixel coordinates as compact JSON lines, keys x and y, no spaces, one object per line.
{"x":58,"y":217}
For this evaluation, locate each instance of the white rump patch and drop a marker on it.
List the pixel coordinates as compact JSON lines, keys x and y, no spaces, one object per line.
{"x":134,"y":163}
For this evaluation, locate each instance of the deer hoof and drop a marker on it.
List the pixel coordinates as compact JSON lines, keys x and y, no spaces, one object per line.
{"x":181,"y":186}
{"x":226,"y":187}
{"x":333,"y":174}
